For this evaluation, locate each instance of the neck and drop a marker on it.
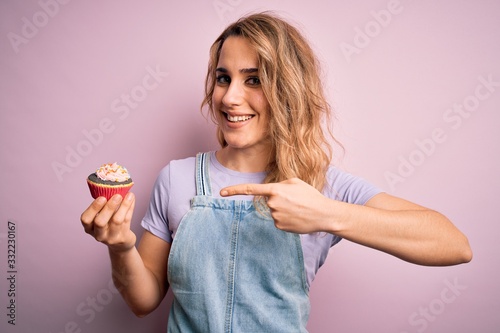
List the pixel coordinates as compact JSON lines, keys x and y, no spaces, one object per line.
{"x":243,"y":160}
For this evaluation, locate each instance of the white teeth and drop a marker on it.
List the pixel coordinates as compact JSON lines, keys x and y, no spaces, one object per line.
{"x":237,"y":118}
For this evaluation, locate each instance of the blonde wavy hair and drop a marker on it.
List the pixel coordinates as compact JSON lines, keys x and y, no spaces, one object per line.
{"x":299,"y":113}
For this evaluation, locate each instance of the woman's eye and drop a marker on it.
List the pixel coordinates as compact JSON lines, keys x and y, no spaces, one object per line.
{"x":253,"y":81}
{"x":223,"y":79}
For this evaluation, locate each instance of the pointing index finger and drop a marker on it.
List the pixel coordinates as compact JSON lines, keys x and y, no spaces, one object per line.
{"x":247,"y":189}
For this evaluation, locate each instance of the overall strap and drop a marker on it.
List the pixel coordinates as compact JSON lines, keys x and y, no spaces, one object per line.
{"x":203,"y":186}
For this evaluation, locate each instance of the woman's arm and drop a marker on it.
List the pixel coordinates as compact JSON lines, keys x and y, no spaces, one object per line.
{"x":403,"y":229}
{"x":386,"y":223}
{"x":140,"y":274}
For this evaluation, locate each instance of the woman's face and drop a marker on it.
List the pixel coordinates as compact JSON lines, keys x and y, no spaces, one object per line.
{"x":238,"y":99}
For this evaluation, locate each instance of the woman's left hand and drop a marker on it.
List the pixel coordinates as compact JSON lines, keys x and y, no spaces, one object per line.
{"x":295,"y":205}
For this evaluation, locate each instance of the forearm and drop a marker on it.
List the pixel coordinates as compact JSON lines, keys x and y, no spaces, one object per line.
{"x":420,"y":236}
{"x":136,"y":283}
{"x":139,"y":273}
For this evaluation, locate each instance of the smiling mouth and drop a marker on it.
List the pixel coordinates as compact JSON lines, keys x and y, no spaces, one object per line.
{"x":237,"y":119}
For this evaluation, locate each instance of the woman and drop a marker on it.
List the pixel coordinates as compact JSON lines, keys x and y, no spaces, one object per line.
{"x":241,"y":232}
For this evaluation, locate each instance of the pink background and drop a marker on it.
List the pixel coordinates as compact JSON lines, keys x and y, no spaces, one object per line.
{"x":66,"y":65}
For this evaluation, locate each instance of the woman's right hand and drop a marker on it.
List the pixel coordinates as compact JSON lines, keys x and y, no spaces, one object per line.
{"x":109,"y":222}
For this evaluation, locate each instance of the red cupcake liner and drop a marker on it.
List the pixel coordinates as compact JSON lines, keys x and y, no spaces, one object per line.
{"x":107,"y":191}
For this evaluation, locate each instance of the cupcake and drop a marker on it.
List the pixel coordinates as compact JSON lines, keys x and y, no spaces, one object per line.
{"x":108,"y":180}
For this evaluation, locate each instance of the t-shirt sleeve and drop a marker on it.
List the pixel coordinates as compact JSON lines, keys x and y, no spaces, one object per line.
{"x":345,"y":187}
{"x":156,"y":220}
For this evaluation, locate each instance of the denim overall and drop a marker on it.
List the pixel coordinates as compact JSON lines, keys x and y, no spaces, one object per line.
{"x":232,"y":270}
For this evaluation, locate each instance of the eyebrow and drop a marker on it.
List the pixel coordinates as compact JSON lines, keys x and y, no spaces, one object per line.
{"x":243,"y":70}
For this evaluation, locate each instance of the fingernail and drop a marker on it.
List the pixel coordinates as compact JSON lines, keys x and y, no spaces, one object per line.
{"x":129,"y":196}
{"x":223,"y":193}
{"x":116,"y":198}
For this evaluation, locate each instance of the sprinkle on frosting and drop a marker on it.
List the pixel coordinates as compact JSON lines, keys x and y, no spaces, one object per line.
{"x":112,"y":172}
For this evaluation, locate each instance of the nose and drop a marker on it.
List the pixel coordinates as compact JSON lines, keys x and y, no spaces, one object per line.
{"x":233,"y":96}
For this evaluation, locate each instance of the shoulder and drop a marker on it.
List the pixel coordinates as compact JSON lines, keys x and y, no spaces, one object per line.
{"x":174,"y":170}
{"x":343,"y":186}
{"x":180,"y":170}
{"x":183,"y":163}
